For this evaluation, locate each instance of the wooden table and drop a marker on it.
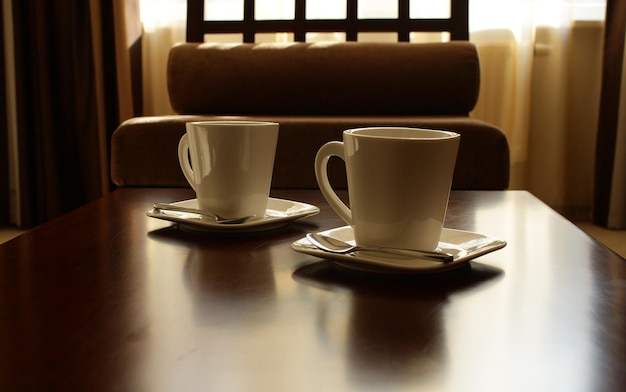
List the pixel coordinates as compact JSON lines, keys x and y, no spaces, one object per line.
{"x":105,"y":298}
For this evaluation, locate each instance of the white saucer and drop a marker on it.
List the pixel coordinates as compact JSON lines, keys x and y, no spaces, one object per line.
{"x":279,"y":213}
{"x":464,"y":245}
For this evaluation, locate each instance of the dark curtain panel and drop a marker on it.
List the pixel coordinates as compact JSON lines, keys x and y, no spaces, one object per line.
{"x":59,"y":161}
{"x":4,"y":150}
{"x":609,"y":107}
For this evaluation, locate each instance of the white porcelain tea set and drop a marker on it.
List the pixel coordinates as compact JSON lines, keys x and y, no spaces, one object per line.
{"x":399,"y":182}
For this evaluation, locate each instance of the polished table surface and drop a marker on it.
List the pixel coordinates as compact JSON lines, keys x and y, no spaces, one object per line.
{"x":105,"y":298}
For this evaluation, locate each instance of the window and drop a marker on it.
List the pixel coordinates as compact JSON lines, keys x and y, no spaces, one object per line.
{"x":348,"y":20}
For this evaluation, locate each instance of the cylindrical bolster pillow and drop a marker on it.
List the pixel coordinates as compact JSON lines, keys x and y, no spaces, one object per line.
{"x":324,"y":78}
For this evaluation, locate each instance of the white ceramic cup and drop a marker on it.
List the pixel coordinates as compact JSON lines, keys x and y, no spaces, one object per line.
{"x":231,"y":165}
{"x":398,"y":184}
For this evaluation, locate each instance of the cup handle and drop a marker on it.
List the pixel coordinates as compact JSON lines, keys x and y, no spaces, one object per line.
{"x":183,"y":159}
{"x":321,"y":173}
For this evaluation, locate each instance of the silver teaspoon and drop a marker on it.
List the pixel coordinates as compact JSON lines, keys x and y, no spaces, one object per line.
{"x":334,"y":245}
{"x":203,"y":213}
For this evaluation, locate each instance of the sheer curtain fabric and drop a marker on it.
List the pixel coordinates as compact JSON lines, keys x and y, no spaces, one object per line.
{"x":532,"y":52}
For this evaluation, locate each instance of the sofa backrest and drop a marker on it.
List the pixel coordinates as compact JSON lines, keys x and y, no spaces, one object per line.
{"x":346,"y":78}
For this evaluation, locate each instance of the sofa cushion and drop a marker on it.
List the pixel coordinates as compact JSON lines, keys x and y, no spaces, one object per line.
{"x":324,"y":78}
{"x":144,"y":149}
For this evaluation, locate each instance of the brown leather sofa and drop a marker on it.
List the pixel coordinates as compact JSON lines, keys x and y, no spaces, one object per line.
{"x":315,"y":91}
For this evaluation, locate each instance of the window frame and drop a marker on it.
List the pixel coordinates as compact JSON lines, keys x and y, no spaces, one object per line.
{"x":457,"y":24}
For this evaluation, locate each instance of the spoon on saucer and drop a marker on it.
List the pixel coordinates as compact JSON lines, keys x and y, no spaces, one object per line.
{"x":335,"y":245}
{"x":203,"y":213}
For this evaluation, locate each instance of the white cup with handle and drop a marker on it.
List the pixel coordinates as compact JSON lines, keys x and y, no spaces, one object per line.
{"x":399,"y":183}
{"x":229,"y":164}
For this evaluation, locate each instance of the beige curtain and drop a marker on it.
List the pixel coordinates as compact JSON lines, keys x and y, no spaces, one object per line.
{"x":541,"y":85}
{"x":532,"y":53}
{"x":164,"y":24}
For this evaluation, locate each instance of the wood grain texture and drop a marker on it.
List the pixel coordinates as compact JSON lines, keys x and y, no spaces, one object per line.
{"x":105,"y":298}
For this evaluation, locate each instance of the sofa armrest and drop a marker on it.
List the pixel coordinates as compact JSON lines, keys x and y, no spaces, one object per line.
{"x":144,"y":152}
